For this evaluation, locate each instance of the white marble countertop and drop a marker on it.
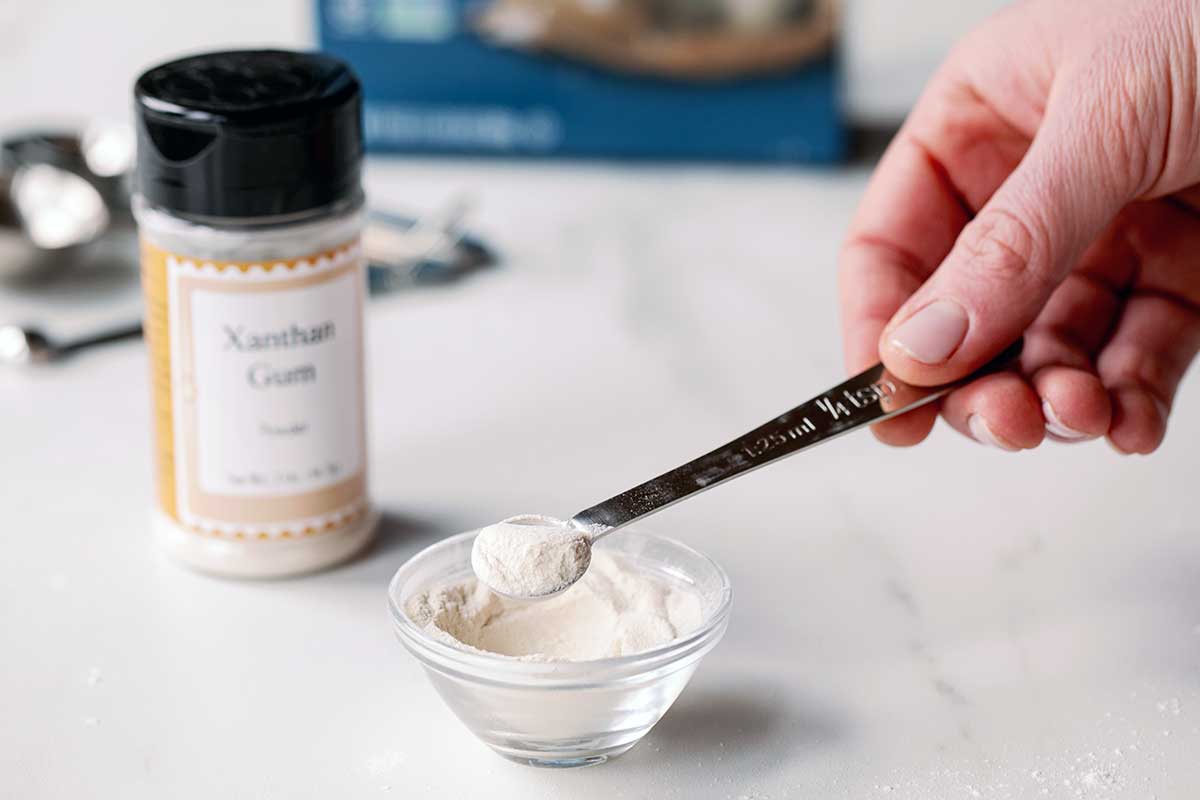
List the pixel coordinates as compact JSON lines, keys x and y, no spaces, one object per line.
{"x":941,"y":622}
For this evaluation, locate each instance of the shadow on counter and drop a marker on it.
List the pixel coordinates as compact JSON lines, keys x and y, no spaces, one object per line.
{"x":398,"y":538}
{"x":723,"y":732}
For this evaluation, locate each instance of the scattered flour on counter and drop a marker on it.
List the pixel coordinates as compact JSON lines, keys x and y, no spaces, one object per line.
{"x":530,"y":555}
{"x":615,"y":610}
{"x":1172,"y":706}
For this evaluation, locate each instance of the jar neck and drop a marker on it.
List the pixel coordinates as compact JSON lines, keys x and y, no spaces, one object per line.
{"x":345,"y":205}
{"x":278,"y":237}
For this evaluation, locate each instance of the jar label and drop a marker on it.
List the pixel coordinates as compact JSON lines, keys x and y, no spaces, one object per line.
{"x":258,"y":391}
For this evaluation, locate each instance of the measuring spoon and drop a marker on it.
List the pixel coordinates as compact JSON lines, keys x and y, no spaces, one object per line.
{"x":869,"y":397}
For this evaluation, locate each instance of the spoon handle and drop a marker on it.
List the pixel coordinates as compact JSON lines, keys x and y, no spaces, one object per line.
{"x":869,"y":397}
{"x":131,"y":330}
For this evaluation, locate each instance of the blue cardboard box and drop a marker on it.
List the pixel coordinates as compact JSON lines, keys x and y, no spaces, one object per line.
{"x":663,"y":79}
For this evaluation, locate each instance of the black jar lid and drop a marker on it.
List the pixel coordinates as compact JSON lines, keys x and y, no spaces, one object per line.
{"x":248,"y":133}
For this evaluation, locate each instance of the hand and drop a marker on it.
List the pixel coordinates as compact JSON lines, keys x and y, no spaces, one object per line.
{"x":1045,"y":184}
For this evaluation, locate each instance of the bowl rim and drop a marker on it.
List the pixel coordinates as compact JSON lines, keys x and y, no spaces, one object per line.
{"x":494,"y":667}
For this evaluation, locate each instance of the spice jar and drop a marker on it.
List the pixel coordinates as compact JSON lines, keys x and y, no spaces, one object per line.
{"x":249,"y":208}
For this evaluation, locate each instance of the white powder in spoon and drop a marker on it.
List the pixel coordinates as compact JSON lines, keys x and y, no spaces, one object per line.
{"x":530,"y":555}
{"x":615,"y":610}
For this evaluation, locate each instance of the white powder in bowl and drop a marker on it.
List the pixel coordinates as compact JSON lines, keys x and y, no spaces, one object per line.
{"x":530,"y":555}
{"x":615,"y":610}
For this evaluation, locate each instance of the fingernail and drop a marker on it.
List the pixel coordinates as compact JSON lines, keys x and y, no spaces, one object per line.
{"x":982,"y":433}
{"x":1058,"y":429}
{"x":932,"y":334}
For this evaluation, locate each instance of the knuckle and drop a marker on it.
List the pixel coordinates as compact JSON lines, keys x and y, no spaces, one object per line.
{"x":1134,"y":366}
{"x":1002,"y":248}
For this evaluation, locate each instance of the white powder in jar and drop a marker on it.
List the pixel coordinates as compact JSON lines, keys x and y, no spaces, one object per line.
{"x":530,"y":555}
{"x":615,"y":610}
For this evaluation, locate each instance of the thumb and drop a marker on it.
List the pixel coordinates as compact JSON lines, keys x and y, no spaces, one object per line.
{"x":1009,"y":259}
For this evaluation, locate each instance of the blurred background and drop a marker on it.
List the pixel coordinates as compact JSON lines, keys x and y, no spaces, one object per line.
{"x":771,"y":83}
{"x":56,"y":67}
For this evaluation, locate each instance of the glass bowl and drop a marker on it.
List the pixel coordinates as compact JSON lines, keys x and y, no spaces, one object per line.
{"x":563,"y":714}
